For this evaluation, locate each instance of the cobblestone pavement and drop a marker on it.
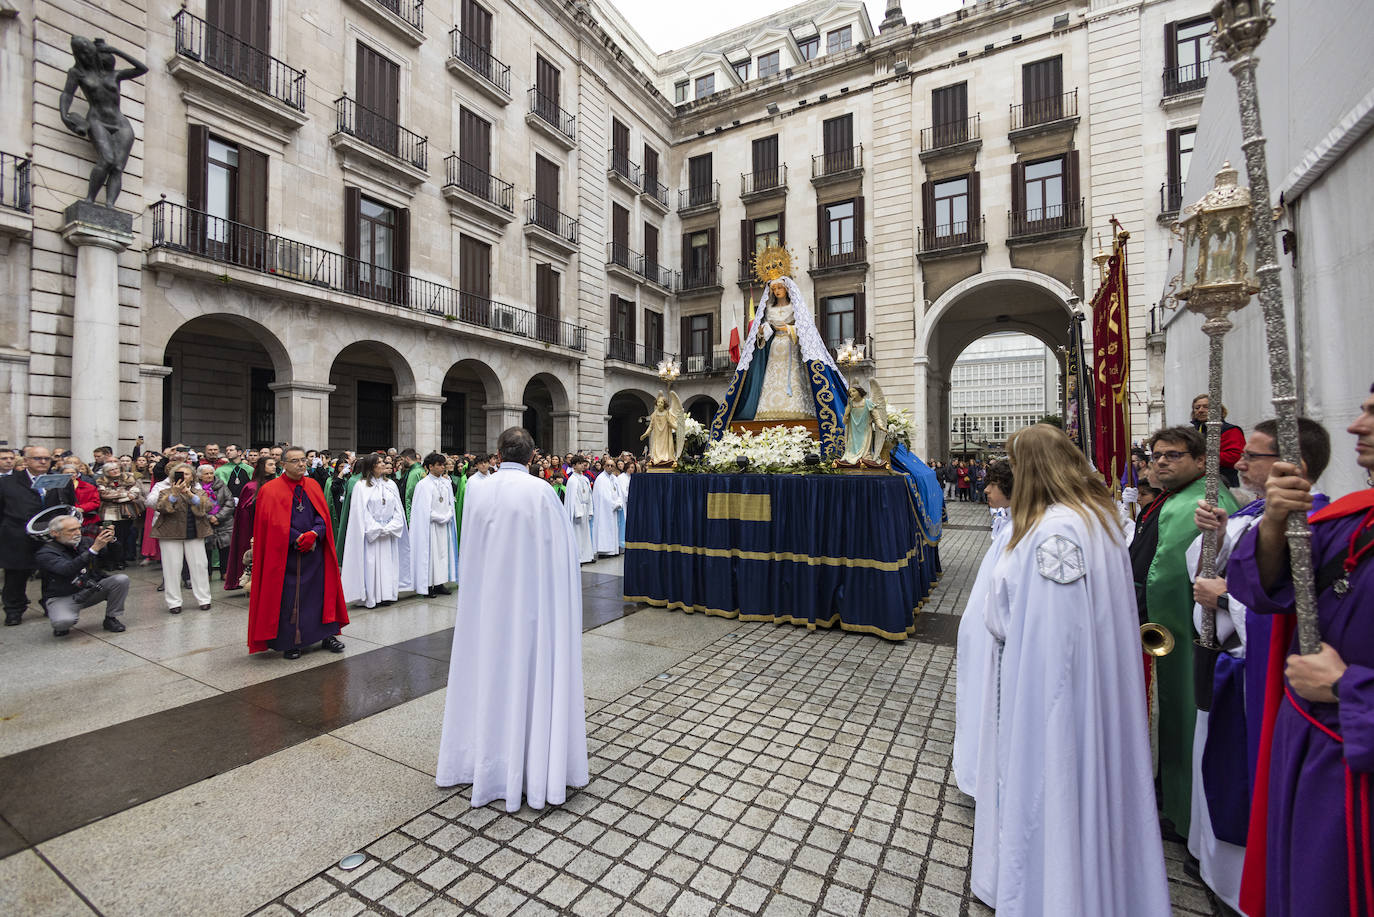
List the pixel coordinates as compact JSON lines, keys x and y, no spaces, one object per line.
{"x":777,"y":772}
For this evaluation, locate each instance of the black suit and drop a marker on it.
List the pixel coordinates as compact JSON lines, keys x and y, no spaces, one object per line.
{"x":19,"y":503}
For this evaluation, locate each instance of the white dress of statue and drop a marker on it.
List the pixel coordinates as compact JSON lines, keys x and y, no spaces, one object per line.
{"x":785,"y":329}
{"x":376,"y":564}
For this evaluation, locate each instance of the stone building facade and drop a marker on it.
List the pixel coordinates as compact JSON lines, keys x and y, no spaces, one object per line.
{"x":1001,"y":383}
{"x":367,"y":222}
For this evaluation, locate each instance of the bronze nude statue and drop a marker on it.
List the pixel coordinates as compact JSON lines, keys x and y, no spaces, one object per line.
{"x":104,"y":125}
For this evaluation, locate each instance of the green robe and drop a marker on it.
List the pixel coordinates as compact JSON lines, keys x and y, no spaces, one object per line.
{"x":1169,"y":600}
{"x":407,"y":487}
{"x":460,"y":487}
{"x":341,"y":530}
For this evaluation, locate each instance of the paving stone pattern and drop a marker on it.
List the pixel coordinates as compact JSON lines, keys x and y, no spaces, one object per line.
{"x":776,"y":772}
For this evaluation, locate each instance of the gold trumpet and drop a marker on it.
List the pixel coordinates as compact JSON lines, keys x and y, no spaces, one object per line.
{"x":1156,"y":639}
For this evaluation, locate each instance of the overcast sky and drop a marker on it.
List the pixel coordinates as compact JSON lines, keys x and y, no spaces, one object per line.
{"x":670,"y":24}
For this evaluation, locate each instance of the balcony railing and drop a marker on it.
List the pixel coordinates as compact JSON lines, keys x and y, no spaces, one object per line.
{"x":703,"y":364}
{"x":1044,"y":111}
{"x":699,"y":196}
{"x":1046,"y":219}
{"x":238,"y":60}
{"x":1188,"y":78}
{"x":550,"y":219}
{"x":655,"y":273}
{"x":479,"y":60}
{"x":837,"y":162}
{"x":178,"y":229}
{"x":656,"y":189}
{"x":380,"y":132}
{"x":953,"y":235}
{"x":702,"y":278}
{"x":621,"y":165}
{"x":621,"y":255}
{"x":774,"y":179}
{"x":1170,"y":197}
{"x":839,"y":255}
{"x":15,"y":191}
{"x":547,"y":108}
{"x":479,"y":182}
{"x":628,"y":351}
{"x":412,"y":11}
{"x":939,"y":136}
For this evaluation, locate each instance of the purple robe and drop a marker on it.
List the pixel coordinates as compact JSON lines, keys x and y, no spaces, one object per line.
{"x":303,"y":585}
{"x":1305,"y":868}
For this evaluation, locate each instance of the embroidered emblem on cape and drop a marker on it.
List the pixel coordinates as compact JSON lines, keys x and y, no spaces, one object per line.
{"x":1061,"y":560}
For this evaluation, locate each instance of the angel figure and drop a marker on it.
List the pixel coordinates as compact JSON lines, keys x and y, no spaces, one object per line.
{"x":667,"y":431}
{"x":865,"y":425}
{"x":878,"y":424}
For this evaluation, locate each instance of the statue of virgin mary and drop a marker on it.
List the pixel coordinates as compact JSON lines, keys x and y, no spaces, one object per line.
{"x":787,"y":374}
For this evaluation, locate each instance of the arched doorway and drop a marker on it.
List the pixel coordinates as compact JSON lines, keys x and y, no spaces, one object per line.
{"x":367,"y":376}
{"x":468,"y":388}
{"x":546,"y":410}
{"x":219,"y":390}
{"x":702,"y":409}
{"x":626,"y":423}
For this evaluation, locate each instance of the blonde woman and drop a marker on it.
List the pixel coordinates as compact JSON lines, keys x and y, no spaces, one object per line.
{"x":181,"y":528}
{"x":1065,"y":822}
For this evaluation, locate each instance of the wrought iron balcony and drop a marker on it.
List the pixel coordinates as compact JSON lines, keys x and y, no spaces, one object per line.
{"x":628,"y":351}
{"x":655,"y":190}
{"x":622,"y":167}
{"x":839,"y":256}
{"x":479,"y":182}
{"x":953,"y":235}
{"x":15,"y":174}
{"x":656,"y":273}
{"x":1188,"y":78}
{"x":412,"y":11}
{"x":199,"y":41}
{"x":703,"y":278}
{"x":622,"y":256}
{"x":192,"y":232}
{"x":709,"y":363}
{"x":765,"y":183}
{"x":1044,"y":111}
{"x":380,"y":132}
{"x":1170,"y":197}
{"x":1054,"y":218}
{"x":479,"y":60}
{"x":837,"y":163}
{"x":547,"y":110}
{"x":954,"y":133}
{"x":551,"y":219}
{"x":700,"y":197}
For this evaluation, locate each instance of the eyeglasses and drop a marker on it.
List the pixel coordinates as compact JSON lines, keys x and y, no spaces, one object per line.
{"x":1251,"y":456}
{"x":295,"y":461}
{"x":1172,"y":455}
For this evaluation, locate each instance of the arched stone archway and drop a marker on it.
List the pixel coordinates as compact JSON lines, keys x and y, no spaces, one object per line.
{"x":625,"y":420}
{"x":468,"y":388}
{"x":702,"y":409}
{"x":546,"y":412}
{"x":220,"y":383}
{"x":370,"y":381}
{"x":987,"y":303}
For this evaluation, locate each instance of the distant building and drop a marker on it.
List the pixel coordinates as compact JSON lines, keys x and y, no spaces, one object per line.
{"x":1000,"y":384}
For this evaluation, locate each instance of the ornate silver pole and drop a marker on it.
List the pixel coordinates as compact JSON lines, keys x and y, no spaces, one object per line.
{"x":1240,"y":26}
{"x":1216,"y":326}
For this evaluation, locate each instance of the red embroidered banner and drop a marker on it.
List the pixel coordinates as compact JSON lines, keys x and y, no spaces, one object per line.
{"x":1112,"y":368}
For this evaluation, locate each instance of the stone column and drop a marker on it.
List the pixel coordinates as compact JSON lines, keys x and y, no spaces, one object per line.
{"x":500,"y":417}
{"x":564,"y":431}
{"x":99,"y":234}
{"x":150,"y":376}
{"x":419,"y":422}
{"x":920,"y":408}
{"x":302,"y":413}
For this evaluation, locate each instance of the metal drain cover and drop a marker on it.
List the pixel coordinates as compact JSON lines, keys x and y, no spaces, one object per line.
{"x":352,"y":861}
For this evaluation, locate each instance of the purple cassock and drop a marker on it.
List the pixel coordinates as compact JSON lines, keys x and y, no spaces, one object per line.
{"x":1321,"y":768}
{"x":302,"y":588}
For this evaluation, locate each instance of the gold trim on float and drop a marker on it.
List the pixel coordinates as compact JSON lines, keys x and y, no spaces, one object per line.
{"x":744,"y":507}
{"x":828,"y":624}
{"x":863,"y":562}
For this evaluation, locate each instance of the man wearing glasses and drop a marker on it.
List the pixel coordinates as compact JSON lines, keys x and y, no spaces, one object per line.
{"x":20,"y":501}
{"x":1164,"y":595}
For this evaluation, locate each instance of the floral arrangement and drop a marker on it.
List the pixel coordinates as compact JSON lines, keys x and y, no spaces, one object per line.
{"x":697,"y":435}
{"x":899,"y":426}
{"x":773,"y":450}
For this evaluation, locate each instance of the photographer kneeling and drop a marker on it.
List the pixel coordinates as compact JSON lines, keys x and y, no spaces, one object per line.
{"x":73,"y":581}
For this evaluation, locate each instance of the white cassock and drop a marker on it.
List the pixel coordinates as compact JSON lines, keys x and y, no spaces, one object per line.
{"x":1219,"y":862}
{"x":607,"y":501}
{"x":1066,"y":823}
{"x":433,"y":534}
{"x":514,"y":716}
{"x":578,"y":502}
{"x":977,"y":651}
{"x":376,"y":562}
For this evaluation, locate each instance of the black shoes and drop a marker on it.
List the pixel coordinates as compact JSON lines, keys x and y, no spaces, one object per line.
{"x":333,"y":644}
{"x":61,"y":633}
{"x":113,"y":625}
{"x":439,"y":590}
{"x":291,"y":654}
{"x":205,"y":607}
{"x":11,"y":619}
{"x":174,"y":611}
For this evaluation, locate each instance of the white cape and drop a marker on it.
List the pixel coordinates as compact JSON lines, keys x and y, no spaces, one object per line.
{"x":607,"y":501}
{"x":433,"y":534}
{"x":1066,"y":822}
{"x":376,"y":561}
{"x":577,"y":500}
{"x":514,"y":714}
{"x":977,"y":651}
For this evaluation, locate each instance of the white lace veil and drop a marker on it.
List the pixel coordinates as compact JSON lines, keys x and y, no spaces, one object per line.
{"x":812,"y":347}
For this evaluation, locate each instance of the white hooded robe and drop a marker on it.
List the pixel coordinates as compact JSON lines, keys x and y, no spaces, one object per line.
{"x":433,"y":534}
{"x":976,"y":652}
{"x":376,"y":561}
{"x":514,"y":714}
{"x":607,"y":502}
{"x":577,"y":500}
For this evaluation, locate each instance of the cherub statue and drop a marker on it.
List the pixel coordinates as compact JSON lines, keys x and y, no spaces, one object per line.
{"x":667,"y":431}
{"x":865,"y":425}
{"x":105,"y":126}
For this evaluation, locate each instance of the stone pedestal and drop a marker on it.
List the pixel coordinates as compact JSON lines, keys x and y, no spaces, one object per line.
{"x":99,"y":234}
{"x":564,"y":432}
{"x":419,"y":421}
{"x":501,"y":417}
{"x":302,"y":415}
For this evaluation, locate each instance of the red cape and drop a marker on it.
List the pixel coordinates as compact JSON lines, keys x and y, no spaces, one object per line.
{"x":271,"y":547}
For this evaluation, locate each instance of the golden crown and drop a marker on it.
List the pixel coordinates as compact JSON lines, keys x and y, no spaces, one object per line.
{"x":771,"y":263}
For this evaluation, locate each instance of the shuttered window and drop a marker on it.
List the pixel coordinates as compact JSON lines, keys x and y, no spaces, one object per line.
{"x":476,"y":24}
{"x":377,"y":244}
{"x":237,"y":40}
{"x":650,"y":168}
{"x":653,"y":335}
{"x":765,"y":155}
{"x":546,"y":300}
{"x":949,"y":114}
{"x":650,"y":249}
{"x":474,"y":280}
{"x":378,"y":93}
{"x":1042,"y":91}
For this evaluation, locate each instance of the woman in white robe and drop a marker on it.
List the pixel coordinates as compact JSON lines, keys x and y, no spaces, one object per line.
{"x":433,"y":530}
{"x":578,"y":502}
{"x":1066,"y":821}
{"x":608,"y":502}
{"x":376,"y":562}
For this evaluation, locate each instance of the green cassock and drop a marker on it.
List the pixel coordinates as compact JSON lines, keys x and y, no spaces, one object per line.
{"x":341,"y":530}
{"x":1169,"y":600}
{"x":413,"y":475}
{"x":460,"y":487}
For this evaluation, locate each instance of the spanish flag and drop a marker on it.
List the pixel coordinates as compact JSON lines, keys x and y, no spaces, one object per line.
{"x":735,"y":332}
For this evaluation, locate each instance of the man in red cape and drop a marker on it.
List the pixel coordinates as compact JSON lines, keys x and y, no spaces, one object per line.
{"x":1309,"y":849}
{"x":297,"y":596}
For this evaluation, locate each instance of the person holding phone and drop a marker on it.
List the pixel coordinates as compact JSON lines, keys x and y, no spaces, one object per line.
{"x":182,"y":510}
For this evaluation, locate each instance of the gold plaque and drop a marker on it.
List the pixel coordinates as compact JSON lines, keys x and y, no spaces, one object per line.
{"x":744,"y":507}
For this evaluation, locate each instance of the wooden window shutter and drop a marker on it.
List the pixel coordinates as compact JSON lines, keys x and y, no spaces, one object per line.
{"x":975,"y":206}
{"x":746,"y":245}
{"x":1171,"y":46}
{"x":401,"y":258}
{"x":710,"y":332}
{"x":822,"y":229}
{"x":782,"y":229}
{"x":1018,"y":187}
{"x":685,"y":337}
{"x":686,"y":254}
{"x":353,"y":203}
{"x":1172,"y":143}
{"x":197,"y":165}
{"x":928,"y":208}
{"x":711,"y":260}
{"x":860,"y":237}
{"x":630,"y":317}
{"x":860,"y":319}
{"x":252,"y":190}
{"x":1071,"y":184}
